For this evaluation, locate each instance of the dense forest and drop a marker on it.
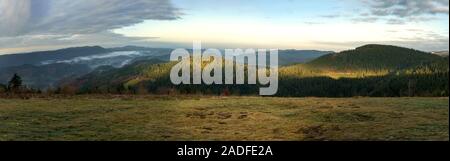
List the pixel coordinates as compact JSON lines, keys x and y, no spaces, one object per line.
{"x":371,"y":70}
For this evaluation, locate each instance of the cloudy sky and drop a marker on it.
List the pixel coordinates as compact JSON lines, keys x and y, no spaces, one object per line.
{"x":30,"y":25}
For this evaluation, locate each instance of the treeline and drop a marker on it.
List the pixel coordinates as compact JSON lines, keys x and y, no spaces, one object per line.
{"x":428,"y":85}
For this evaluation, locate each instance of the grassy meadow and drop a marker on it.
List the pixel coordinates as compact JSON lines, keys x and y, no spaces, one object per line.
{"x":156,"y":118}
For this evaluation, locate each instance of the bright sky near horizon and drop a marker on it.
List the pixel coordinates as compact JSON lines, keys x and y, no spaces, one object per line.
{"x":28,"y":25}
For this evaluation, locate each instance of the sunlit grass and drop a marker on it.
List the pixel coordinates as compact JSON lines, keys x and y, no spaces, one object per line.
{"x":223,"y":118}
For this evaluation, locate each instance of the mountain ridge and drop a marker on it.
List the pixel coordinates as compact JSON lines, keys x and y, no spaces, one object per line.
{"x":365,"y":61}
{"x":34,"y":58}
{"x":374,"y":57}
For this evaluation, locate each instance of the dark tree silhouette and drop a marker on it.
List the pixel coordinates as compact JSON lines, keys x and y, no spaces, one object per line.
{"x":15,"y":83}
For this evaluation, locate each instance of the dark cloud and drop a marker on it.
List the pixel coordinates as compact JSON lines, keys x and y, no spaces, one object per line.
{"x":27,"y":17}
{"x":408,"y":8}
{"x":398,"y":12}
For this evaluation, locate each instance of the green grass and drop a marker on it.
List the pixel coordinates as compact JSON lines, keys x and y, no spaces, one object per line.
{"x":223,"y":118}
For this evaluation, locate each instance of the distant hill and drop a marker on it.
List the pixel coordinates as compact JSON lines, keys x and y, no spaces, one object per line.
{"x":93,"y":56}
{"x":36,"y":58}
{"x":131,"y":48}
{"x":96,"y":56}
{"x":43,"y":76}
{"x":289,"y":57}
{"x":47,"y":68}
{"x":374,"y":57}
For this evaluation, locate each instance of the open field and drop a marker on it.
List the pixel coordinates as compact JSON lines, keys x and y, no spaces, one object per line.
{"x":223,"y":118}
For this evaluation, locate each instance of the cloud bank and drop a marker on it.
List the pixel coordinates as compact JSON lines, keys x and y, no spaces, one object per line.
{"x":408,"y":8}
{"x":401,"y":11}
{"x":27,"y":17}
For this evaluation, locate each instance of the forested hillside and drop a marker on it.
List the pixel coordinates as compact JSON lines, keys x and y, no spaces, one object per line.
{"x":372,"y":70}
{"x":375,"y":58}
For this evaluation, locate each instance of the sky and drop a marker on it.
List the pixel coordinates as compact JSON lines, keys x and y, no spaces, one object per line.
{"x":31,"y":25}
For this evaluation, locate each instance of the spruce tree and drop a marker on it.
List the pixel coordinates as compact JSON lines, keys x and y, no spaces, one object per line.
{"x":15,"y":83}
